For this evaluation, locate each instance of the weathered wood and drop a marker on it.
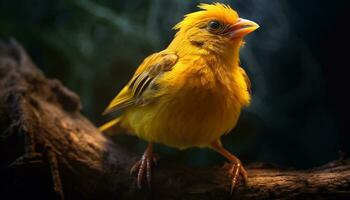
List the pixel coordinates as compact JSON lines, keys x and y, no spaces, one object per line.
{"x":50,"y":151}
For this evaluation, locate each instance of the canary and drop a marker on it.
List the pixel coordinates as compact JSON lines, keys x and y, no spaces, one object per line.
{"x":191,"y":93}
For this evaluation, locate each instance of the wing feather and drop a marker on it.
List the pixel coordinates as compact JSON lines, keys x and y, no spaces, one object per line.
{"x":134,"y":93}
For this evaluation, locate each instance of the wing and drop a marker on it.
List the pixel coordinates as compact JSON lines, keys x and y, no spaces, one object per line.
{"x":143,"y":87}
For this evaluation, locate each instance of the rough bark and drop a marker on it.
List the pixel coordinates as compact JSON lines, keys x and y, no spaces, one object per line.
{"x":50,"y":151}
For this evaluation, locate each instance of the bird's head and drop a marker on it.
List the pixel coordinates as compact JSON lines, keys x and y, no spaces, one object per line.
{"x":215,"y":28}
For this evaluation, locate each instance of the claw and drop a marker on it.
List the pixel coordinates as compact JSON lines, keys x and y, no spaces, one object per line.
{"x":236,"y":168}
{"x":235,"y":175}
{"x":140,"y":174}
{"x":235,"y":171}
{"x":143,"y":167}
{"x":149,"y":172}
{"x":135,"y":167}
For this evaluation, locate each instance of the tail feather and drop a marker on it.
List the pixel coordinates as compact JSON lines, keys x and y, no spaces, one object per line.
{"x":109,"y":125}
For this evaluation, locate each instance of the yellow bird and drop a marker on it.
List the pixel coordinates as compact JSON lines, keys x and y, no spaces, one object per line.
{"x":191,"y":93}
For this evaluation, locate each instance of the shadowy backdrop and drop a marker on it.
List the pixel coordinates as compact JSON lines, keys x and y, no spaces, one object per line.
{"x":297,"y":62}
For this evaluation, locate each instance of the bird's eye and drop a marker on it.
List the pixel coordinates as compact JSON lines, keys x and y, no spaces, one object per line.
{"x":214,"y":25}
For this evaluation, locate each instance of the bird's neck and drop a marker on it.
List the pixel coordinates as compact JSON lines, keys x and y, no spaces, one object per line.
{"x":229,"y":57}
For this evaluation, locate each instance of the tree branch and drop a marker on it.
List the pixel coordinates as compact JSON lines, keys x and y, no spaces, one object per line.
{"x":50,"y":151}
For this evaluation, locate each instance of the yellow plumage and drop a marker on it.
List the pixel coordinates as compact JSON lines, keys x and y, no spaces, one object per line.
{"x":192,"y":92}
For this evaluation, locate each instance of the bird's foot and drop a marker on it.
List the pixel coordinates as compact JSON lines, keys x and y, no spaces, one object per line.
{"x":143,"y":167}
{"x":236,"y":171}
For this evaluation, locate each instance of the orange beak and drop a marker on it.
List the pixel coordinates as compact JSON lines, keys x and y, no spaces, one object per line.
{"x":242,"y":28}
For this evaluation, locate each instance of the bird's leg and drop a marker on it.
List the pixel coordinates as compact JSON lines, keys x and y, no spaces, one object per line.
{"x":236,"y":168}
{"x":143,"y":167}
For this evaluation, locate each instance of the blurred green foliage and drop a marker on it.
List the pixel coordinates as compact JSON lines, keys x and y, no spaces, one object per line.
{"x":92,"y":47}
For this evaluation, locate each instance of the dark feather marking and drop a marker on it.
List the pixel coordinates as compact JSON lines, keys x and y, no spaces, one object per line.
{"x":133,"y":81}
{"x":144,"y":86}
{"x":139,"y":86}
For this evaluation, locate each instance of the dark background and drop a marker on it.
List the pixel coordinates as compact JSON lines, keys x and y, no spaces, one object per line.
{"x":297,"y":62}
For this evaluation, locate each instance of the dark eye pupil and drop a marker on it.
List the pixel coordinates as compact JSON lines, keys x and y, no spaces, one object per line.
{"x":214,"y":25}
